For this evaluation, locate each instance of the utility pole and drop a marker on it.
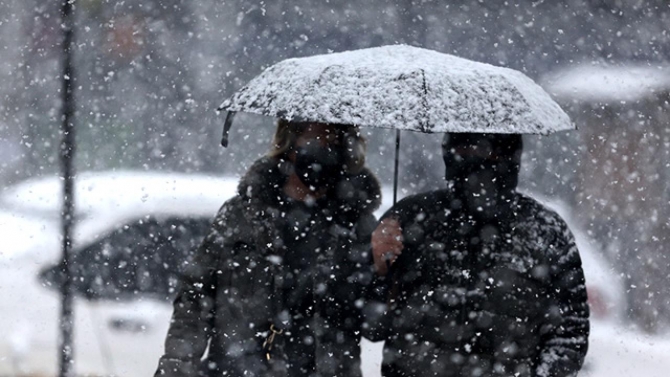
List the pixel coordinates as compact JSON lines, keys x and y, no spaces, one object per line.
{"x":67,"y":149}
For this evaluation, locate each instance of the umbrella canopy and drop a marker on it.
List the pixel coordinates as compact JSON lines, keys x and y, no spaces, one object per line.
{"x":401,"y":87}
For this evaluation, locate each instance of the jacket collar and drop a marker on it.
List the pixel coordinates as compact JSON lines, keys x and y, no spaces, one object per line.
{"x":264,"y":183}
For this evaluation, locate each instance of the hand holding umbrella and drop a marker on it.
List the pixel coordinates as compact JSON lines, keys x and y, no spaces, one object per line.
{"x":386,"y":244}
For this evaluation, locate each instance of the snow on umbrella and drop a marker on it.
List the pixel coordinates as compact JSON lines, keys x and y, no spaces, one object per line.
{"x":400,"y":87}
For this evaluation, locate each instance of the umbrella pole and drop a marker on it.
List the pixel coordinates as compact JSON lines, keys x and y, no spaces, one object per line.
{"x":395,"y":170}
{"x":395,"y":182}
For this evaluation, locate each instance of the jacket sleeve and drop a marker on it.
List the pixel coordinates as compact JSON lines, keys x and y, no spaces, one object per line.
{"x":377,"y":314}
{"x":373,"y":289}
{"x":192,"y":322}
{"x":565,"y":339}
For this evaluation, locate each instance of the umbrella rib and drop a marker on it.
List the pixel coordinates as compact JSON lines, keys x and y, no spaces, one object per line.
{"x":424,"y":102}
{"x":521,"y":97}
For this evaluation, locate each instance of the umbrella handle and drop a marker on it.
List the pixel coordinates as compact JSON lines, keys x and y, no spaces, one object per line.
{"x":226,"y":128}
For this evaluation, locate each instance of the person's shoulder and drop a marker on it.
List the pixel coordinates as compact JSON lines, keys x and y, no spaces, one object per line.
{"x":425,"y":198}
{"x":231,"y":209}
{"x":425,"y":202}
{"x":542,"y":214}
{"x":361,"y":192}
{"x":526,"y":203}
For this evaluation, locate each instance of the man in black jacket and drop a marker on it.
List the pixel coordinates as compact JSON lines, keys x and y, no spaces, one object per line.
{"x":484,"y":280}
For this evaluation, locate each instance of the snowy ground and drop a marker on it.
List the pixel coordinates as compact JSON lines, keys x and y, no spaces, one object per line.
{"x":618,"y":352}
{"x":30,"y":329}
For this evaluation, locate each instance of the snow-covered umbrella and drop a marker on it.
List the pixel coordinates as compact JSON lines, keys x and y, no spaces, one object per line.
{"x":403,"y":88}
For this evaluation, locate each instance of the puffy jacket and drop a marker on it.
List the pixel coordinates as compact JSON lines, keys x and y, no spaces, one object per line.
{"x":503,"y":299}
{"x":239,"y":284}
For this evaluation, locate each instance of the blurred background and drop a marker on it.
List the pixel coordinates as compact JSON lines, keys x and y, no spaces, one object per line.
{"x":150,"y":74}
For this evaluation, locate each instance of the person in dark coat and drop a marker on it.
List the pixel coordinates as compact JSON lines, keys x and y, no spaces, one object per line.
{"x":276,"y":289}
{"x":484,"y":281}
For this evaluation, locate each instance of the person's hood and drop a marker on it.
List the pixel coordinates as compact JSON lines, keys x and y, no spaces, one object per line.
{"x":265,"y":179}
{"x":483,"y":172}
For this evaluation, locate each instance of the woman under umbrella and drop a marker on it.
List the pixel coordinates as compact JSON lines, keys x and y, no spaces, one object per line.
{"x":276,"y":288}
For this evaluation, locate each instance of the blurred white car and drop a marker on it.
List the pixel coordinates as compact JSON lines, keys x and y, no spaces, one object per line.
{"x":133,"y":233}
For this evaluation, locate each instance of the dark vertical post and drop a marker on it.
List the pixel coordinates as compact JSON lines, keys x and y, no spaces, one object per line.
{"x":67,"y":149}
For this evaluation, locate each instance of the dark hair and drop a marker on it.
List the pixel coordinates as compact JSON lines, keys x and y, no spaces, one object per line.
{"x":287,"y":134}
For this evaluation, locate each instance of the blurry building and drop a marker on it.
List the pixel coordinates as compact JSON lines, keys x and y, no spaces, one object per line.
{"x":623,"y":118}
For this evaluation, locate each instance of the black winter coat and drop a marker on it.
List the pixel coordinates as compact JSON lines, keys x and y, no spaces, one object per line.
{"x":503,"y":300}
{"x":268,"y":260}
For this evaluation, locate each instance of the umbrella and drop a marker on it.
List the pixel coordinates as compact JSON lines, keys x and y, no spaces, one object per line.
{"x":403,"y":88}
